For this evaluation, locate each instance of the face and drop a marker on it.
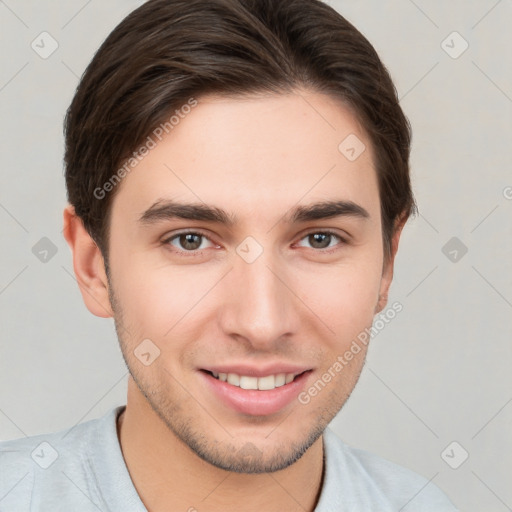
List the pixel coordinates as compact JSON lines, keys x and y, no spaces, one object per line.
{"x":247,"y":296}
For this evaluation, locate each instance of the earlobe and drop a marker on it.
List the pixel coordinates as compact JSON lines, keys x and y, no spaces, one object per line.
{"x":88,"y":265}
{"x":387,"y":271}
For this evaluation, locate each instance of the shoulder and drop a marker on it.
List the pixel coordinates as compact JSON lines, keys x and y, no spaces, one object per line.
{"x":56,"y":463}
{"x":378,"y":483}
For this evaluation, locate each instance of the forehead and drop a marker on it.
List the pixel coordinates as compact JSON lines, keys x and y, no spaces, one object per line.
{"x":256,"y":153}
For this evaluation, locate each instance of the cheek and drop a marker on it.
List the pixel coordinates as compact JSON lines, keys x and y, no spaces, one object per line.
{"x":343,"y":296}
{"x":157,"y":301}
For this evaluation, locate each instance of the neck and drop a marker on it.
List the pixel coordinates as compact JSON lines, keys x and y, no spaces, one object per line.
{"x":168,"y":475}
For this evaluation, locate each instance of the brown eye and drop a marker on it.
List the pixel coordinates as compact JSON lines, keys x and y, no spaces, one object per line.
{"x":188,"y":241}
{"x":323,"y":239}
{"x":319,"y":240}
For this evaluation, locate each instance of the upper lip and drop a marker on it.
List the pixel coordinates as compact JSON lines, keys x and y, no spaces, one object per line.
{"x":257,"y":371}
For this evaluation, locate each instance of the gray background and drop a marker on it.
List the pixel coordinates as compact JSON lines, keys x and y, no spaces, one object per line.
{"x":438,"y":373}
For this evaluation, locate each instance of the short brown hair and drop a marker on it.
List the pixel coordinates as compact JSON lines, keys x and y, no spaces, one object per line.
{"x":168,"y":51}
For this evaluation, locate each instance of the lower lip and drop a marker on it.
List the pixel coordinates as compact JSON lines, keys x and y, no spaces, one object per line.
{"x":252,"y":401}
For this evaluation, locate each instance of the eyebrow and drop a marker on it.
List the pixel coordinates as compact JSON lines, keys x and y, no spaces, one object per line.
{"x":169,"y":209}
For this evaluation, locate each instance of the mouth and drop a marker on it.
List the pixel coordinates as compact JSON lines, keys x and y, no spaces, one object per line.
{"x":263,"y":393}
{"x":265,"y":383}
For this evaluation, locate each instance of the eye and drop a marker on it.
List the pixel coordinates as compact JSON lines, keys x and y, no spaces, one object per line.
{"x":188,"y":241}
{"x":322,"y":240}
{"x":195,"y":241}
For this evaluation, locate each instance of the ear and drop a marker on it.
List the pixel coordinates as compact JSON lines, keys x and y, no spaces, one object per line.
{"x":387,"y":271}
{"x":88,"y":265}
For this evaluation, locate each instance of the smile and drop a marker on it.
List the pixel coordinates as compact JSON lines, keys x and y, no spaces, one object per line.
{"x":265,"y":383}
{"x":263,"y":394}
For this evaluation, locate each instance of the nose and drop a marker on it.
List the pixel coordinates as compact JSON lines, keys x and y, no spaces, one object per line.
{"x":259,"y":304}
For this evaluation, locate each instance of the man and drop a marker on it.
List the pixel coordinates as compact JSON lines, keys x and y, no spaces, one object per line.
{"x":238,"y":179}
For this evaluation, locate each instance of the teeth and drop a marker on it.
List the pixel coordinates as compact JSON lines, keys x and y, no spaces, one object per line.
{"x":248,"y":382}
{"x":234,"y":379}
{"x":265,"y":383}
{"x":280,"y":380}
{"x":262,"y":383}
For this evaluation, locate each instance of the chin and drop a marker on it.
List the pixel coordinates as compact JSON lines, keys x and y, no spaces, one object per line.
{"x":248,"y":457}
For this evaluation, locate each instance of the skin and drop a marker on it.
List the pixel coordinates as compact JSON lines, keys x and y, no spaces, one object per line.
{"x":257,"y":158}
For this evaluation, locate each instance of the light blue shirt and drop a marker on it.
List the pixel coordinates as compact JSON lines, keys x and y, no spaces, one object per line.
{"x":82,"y":470}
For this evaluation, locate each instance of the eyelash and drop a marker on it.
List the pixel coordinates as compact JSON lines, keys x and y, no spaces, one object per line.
{"x":198,"y":252}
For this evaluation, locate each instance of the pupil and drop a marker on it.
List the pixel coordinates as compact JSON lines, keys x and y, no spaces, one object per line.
{"x":187,"y":241}
{"x":321,"y":238}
